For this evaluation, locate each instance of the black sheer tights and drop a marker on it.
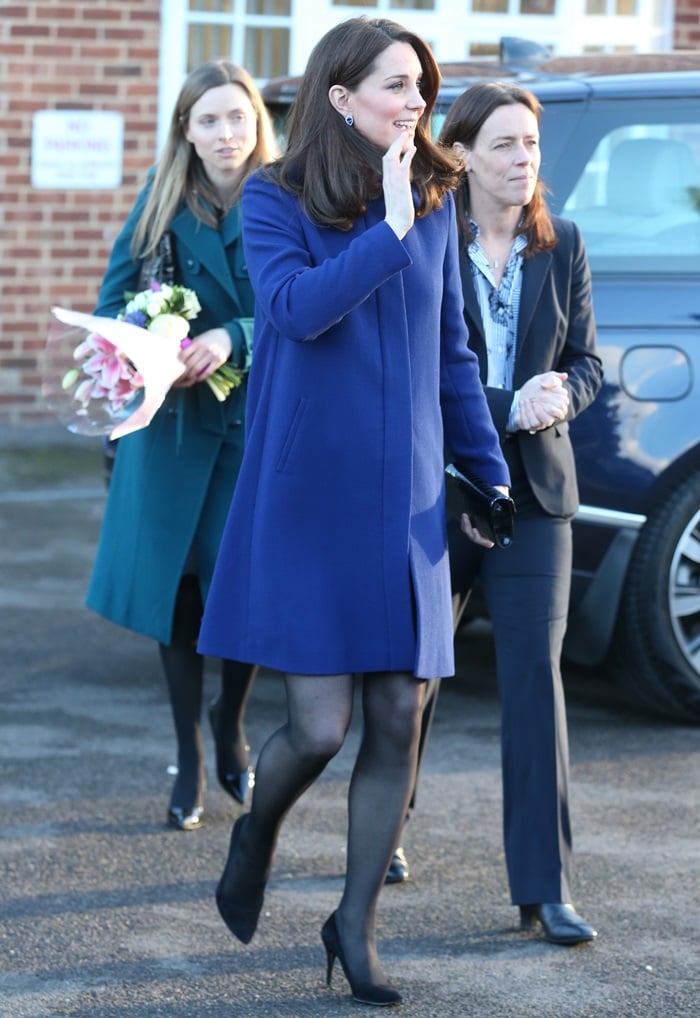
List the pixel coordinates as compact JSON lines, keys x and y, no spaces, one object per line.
{"x":184,"y":673}
{"x":319,"y":713}
{"x":380,"y":790}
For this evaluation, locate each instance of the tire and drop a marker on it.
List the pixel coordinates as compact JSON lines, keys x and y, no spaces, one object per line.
{"x":656,"y":652}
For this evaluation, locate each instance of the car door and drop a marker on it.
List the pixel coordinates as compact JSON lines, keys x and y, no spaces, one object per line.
{"x":625,"y":165}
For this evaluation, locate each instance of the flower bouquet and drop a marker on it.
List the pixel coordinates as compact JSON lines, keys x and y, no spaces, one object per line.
{"x":106,"y":376}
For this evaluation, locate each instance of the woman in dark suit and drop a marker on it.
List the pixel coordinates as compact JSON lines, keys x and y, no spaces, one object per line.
{"x":173,"y":481}
{"x":527,"y":302}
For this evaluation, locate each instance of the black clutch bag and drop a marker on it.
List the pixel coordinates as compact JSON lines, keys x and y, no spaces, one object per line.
{"x":490,"y":511}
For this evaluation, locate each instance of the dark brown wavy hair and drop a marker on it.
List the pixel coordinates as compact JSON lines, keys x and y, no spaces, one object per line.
{"x":333,"y":169}
{"x":466,"y":116}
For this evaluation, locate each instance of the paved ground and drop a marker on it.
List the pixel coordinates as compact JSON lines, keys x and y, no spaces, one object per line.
{"x":106,"y":912}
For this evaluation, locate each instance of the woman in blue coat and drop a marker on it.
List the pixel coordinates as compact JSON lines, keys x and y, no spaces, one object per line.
{"x":334,"y":556}
{"x":173,"y":481}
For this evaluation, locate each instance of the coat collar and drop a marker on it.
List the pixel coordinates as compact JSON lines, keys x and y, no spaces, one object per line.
{"x":209,"y":245}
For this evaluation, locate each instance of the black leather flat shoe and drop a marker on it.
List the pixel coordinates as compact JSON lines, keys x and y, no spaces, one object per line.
{"x":398,"y":868}
{"x":185,"y":819}
{"x":236,"y":782}
{"x":560,"y":923}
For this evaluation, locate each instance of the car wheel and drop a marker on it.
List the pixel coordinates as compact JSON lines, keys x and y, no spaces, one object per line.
{"x":656,"y":656}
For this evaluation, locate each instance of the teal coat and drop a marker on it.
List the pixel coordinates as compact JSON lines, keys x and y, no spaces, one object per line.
{"x":173,"y":481}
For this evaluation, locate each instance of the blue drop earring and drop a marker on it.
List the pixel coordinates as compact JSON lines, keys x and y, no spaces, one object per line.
{"x":349,"y":120}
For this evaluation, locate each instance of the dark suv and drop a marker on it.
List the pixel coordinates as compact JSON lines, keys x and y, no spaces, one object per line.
{"x":621,"y":156}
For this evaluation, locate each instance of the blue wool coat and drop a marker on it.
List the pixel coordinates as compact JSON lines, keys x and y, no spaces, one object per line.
{"x":334,"y":556}
{"x":173,"y":481}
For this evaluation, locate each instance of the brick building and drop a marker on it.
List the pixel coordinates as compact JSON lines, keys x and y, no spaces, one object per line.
{"x":686,"y":24}
{"x":55,"y":243}
{"x":93,"y":56}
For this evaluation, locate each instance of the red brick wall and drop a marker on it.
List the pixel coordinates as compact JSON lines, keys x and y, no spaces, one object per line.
{"x":687,"y":25}
{"x":54,"y":245}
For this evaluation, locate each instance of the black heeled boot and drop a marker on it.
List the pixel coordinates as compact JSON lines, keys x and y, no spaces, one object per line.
{"x":185,"y":810}
{"x":241,"y":889}
{"x":185,"y":819}
{"x":560,"y":923}
{"x":183,"y":668}
{"x":233,"y":780}
{"x":377,"y":994}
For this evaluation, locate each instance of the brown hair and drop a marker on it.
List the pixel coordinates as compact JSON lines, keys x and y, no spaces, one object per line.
{"x":465,"y":118}
{"x":180,"y":176}
{"x":334,"y":170}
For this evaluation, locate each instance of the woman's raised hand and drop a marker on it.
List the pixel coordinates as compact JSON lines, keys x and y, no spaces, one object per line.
{"x":396,"y":182}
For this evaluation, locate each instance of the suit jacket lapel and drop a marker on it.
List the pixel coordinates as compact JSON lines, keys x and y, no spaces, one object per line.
{"x":477,"y":342}
{"x":534,"y":272}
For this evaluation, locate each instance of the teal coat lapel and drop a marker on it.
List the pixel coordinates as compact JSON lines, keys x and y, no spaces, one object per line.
{"x":209,"y":246}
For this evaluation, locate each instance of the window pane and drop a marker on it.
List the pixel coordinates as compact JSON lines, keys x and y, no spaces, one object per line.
{"x":627,"y":7}
{"x":354,"y":3}
{"x":212,"y":6}
{"x":268,"y":7}
{"x":537,"y":6}
{"x":490,"y":6}
{"x":412,"y":5}
{"x":484,"y":49}
{"x":595,"y":6}
{"x":208,"y":42}
{"x":638,"y":197}
{"x":266,"y":52}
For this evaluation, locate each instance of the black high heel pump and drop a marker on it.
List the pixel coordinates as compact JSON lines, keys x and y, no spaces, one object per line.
{"x":236,"y":782}
{"x":241,"y":889}
{"x":378,"y":994}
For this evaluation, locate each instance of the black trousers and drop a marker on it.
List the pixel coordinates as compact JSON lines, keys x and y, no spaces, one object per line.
{"x":526,"y":589}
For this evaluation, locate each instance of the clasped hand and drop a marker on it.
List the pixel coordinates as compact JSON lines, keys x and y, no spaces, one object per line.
{"x":203,"y":355}
{"x":543,"y":400}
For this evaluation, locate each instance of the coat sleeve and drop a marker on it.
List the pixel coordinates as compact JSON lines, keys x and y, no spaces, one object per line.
{"x":240,"y":331}
{"x":303,"y":295}
{"x":122,"y":273}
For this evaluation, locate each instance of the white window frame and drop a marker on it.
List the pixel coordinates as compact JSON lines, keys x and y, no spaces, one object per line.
{"x":450,"y":29}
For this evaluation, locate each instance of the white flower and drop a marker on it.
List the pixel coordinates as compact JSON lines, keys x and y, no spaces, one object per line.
{"x":154,"y":306}
{"x":170,"y":326}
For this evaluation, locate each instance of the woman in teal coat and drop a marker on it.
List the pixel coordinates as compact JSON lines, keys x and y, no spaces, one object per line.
{"x":173,"y":481}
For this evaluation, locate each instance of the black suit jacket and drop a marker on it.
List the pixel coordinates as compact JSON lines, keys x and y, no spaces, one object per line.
{"x":556,"y":332}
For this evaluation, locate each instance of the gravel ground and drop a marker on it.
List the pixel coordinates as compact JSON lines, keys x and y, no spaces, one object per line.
{"x":107,"y":913}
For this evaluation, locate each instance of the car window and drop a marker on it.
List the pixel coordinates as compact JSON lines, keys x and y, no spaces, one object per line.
{"x":637,"y":199}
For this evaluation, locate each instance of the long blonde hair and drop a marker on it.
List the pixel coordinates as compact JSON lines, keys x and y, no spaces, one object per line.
{"x":179,"y":176}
